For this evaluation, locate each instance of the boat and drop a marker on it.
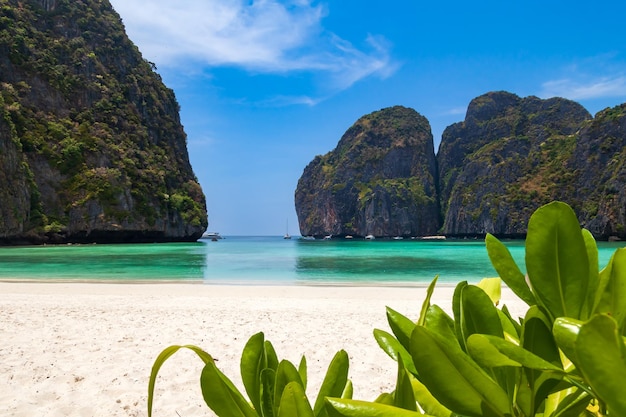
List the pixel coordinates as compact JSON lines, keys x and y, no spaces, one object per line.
{"x":370,"y":237}
{"x":287,"y":235}
{"x":214,"y":236}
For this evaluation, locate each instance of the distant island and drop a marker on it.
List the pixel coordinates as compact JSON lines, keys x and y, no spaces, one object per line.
{"x":91,"y":144}
{"x":492,"y":171}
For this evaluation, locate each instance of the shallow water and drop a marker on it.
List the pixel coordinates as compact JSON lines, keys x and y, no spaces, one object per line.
{"x":265,"y":260}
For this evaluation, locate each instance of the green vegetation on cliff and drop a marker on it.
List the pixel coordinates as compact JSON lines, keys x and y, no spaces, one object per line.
{"x":97,"y":134}
{"x":379,"y":180}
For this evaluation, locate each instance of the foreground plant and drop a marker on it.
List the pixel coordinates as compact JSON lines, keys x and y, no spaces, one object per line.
{"x":274,"y":388}
{"x":566,"y":357}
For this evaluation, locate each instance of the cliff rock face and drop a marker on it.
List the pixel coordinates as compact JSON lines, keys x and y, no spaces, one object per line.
{"x":599,"y":163}
{"x":91,"y":145}
{"x":380,"y":180}
{"x":506,"y":159}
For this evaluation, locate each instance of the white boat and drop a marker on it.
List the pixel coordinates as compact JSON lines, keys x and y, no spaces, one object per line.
{"x":370,"y":237}
{"x":214,"y":236}
{"x":287,"y":235}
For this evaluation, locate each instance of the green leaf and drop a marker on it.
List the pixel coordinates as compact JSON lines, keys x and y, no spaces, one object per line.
{"x":294,"y":402}
{"x":403,"y":395}
{"x":253,"y":361}
{"x":493,"y":288}
{"x":438,"y":321}
{"x":393,"y":348}
{"x":427,"y":401}
{"x":285,"y":374}
{"x":478,"y":314}
{"x":268,"y":406}
{"x":454,"y":379}
{"x":556,"y":260}
{"x":613,"y":296}
{"x":334,"y":382}
{"x":565,"y":331}
{"x":270,"y":355}
{"x":401,"y":326}
{"x":302,"y":370}
{"x":494,"y":351}
{"x":163,"y":356}
{"x":480,"y":348}
{"x":594,"y":276}
{"x":348,"y":391}
{"x":601,"y":355}
{"x":353,"y":408}
{"x":385,"y":398}
{"x":221,"y":395}
{"x":426,"y":303}
{"x":508,"y":270}
{"x":537,"y":338}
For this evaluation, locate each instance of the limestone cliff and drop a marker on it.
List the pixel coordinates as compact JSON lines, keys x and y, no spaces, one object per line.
{"x":598,"y":164}
{"x":380,"y":180}
{"x":506,"y":159}
{"x":91,"y":144}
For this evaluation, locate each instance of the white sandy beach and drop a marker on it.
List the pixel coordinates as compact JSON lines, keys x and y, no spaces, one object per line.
{"x":83,"y":349}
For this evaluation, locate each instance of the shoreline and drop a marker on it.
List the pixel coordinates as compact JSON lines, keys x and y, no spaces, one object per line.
{"x":88,"y":348}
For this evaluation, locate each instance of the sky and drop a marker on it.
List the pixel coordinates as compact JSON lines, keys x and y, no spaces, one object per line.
{"x":265,"y":86}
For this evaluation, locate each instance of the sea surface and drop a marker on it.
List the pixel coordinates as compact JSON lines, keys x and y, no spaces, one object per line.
{"x":265,"y":261}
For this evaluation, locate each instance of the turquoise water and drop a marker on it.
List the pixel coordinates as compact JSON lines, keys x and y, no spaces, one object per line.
{"x":264,"y":260}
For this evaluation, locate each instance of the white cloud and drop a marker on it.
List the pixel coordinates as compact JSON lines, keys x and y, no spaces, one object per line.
{"x":588,"y":89}
{"x":270,"y":36}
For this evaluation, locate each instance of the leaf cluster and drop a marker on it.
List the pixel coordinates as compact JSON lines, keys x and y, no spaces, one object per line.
{"x":565,"y":358}
{"x":275,"y":388}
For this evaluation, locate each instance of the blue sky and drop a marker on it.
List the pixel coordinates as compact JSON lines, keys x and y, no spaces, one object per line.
{"x":264,"y":86}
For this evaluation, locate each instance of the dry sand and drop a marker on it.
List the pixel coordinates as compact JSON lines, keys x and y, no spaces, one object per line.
{"x":84,"y":349}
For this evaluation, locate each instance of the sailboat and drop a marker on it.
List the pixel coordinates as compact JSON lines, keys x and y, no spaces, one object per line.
{"x":287,"y":235}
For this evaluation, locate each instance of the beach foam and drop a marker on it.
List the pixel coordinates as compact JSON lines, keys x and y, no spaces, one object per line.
{"x":78,"y":349}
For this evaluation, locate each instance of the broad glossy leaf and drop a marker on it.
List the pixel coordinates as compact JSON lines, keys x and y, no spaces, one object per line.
{"x":426,"y":303}
{"x":270,"y":355}
{"x":221,"y":396}
{"x":565,"y":331}
{"x":456,"y":312}
{"x":302,"y":370}
{"x":390,"y":345}
{"x":495,"y":351}
{"x":478,"y":314}
{"x":438,"y":321}
{"x":401,"y":326}
{"x":268,"y":379}
{"x":486,"y":354}
{"x":594,"y":276}
{"x":601,"y":358}
{"x":163,"y":356}
{"x":354,"y":408}
{"x":509,"y":325}
{"x":334,"y":382}
{"x":454,"y":379}
{"x":294,"y":402}
{"x":613,"y":297}
{"x":385,"y":398}
{"x":556,"y":260}
{"x":285,"y":374}
{"x":403,"y":394}
{"x":348,"y":391}
{"x":508,"y":270}
{"x":569,"y":405}
{"x":427,"y":401}
{"x":537,"y":338}
{"x":253,"y":361}
{"x":493,"y":288}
